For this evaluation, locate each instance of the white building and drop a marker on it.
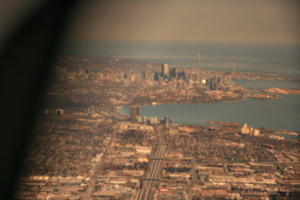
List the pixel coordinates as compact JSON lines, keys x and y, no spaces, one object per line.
{"x":245,"y":129}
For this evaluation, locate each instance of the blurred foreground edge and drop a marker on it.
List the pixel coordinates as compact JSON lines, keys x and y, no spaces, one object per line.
{"x":25,"y":60}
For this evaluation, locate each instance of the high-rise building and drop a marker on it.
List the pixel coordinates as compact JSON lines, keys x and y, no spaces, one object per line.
{"x":182,"y":75}
{"x":165,"y":69}
{"x":156,"y":76}
{"x":213,"y":83}
{"x":134,"y":112}
{"x":173,"y":72}
{"x":145,"y":75}
{"x":131,"y":72}
{"x":166,"y":121}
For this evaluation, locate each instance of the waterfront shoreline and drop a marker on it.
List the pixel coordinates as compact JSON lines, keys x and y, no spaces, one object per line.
{"x":282,"y":91}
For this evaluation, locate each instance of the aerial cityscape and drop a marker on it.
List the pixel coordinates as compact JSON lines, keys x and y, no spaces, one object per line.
{"x":86,"y":149}
{"x":150,"y":100}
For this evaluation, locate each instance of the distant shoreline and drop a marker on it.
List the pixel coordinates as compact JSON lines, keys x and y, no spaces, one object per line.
{"x":283,"y":91}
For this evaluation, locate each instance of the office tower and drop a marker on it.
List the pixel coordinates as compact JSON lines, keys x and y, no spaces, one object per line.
{"x":165,"y":77}
{"x":134,"y":112}
{"x":182,"y":75}
{"x":166,"y":121}
{"x":213,"y":83}
{"x":131,"y":72}
{"x":173,"y":72}
{"x":165,"y":69}
{"x":145,"y":75}
{"x":156,"y":76}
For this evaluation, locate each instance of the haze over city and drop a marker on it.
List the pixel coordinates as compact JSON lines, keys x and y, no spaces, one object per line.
{"x":213,"y":21}
{"x":164,"y":100}
{"x":205,"y":20}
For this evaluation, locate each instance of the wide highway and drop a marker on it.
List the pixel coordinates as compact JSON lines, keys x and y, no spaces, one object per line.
{"x":154,"y":169}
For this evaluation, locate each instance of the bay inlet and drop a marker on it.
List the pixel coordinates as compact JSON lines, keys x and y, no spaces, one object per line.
{"x":278,"y":114}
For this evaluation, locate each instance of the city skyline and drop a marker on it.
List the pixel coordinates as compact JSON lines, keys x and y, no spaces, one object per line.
{"x":134,"y":119}
{"x":92,"y":149}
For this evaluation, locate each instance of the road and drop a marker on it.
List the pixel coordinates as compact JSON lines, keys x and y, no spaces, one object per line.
{"x":154,"y":169}
{"x":91,"y":185}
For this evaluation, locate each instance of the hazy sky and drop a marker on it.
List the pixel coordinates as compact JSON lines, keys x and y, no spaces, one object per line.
{"x":202,"y":20}
{"x":196,"y":20}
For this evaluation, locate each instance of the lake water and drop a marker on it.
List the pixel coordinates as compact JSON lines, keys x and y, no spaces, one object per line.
{"x":265,"y":84}
{"x":268,"y":58}
{"x":283,"y":113}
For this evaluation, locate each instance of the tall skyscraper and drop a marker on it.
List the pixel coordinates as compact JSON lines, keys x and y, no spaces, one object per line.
{"x":213,"y":83}
{"x":165,"y":69}
{"x":134,"y":112}
{"x":166,"y":121}
{"x":173,"y":72}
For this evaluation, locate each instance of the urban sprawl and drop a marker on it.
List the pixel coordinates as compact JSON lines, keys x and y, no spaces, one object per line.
{"x":85,"y":149}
